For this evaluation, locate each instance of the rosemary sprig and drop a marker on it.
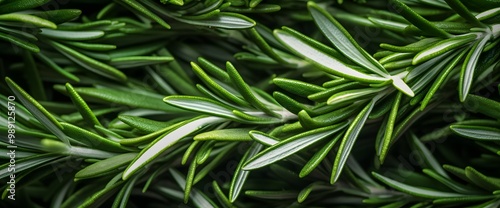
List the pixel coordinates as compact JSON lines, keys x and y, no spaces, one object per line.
{"x":246,"y":103}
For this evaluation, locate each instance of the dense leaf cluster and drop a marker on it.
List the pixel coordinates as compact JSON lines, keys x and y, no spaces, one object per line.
{"x":250,"y":103}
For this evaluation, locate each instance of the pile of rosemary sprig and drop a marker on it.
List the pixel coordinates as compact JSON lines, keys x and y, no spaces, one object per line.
{"x":250,"y":103}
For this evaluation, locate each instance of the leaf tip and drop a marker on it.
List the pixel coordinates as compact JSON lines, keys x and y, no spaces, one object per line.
{"x":402,"y":86}
{"x":311,"y":4}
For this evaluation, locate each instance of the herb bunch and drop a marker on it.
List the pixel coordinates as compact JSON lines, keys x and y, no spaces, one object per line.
{"x":246,"y":103}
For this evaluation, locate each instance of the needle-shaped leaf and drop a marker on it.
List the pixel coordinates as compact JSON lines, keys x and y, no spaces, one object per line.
{"x":222,"y":154}
{"x":383,"y":108}
{"x":350,"y":96}
{"x":192,"y":147}
{"x":461,"y":200}
{"x":91,"y":46}
{"x":480,"y":133}
{"x":486,"y":182}
{"x":469,"y":66}
{"x":236,"y":134}
{"x":427,"y":156}
{"x":217,"y":87}
{"x":343,"y":41}
{"x":349,"y":139}
{"x":148,"y":125}
{"x":411,"y":48}
{"x":28,"y":19}
{"x":442,"y":47}
{"x":488,"y":14}
{"x":396,"y":57}
{"x":226,"y":20}
{"x":258,"y":117}
{"x":493,"y":149}
{"x":400,"y":64}
{"x":96,"y":55}
{"x":91,"y":139}
{"x":297,"y":87}
{"x":38,"y":111}
{"x":462,"y":10}
{"x":485,"y":106}
{"x":212,"y":5}
{"x":35,"y":85}
{"x":290,"y":146}
{"x":289,"y":103}
{"x":148,"y":154}
{"x":199,"y":199}
{"x":20,"y":42}
{"x":399,"y":84}
{"x":451,"y":27}
{"x":82,"y":107}
{"x":386,"y":200}
{"x":314,"y":52}
{"x":318,"y":157}
{"x":99,"y":197}
{"x":388,"y":24}
{"x":202,"y":16}
{"x":389,"y":128}
{"x":35,"y":161}
{"x":56,"y":67}
{"x":92,"y":155}
{"x":304,"y":193}
{"x":72,"y":35}
{"x":441,"y":79}
{"x":138,"y":61}
{"x":204,"y":152}
{"x":327,"y":119}
{"x":189,"y":181}
{"x":202,"y":105}
{"x":20,"y":5}
{"x":247,"y":92}
{"x":163,"y":85}
{"x":358,"y":171}
{"x":240,"y":175}
{"x":59,"y":16}
{"x":459,"y":172}
{"x":103,"y":167}
{"x":418,"y":20}
{"x":18,"y":33}
{"x":264,"y":46}
{"x":275,"y":195}
{"x":79,"y":196}
{"x":122,"y":198}
{"x":148,"y":137}
{"x":491,"y":204}
{"x":213,"y":69}
{"x":89,"y":63}
{"x":263,"y":138}
{"x":144,"y":11}
{"x":416,"y":191}
{"x":139,"y":50}
{"x":91,"y":25}
{"x":340,"y":87}
{"x":219,"y":194}
{"x":459,"y":188}
{"x":132,"y":99}
{"x":32,"y":143}
{"x":254,"y":3}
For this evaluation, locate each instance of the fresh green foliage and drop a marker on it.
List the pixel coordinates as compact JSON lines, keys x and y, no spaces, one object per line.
{"x":250,"y":103}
